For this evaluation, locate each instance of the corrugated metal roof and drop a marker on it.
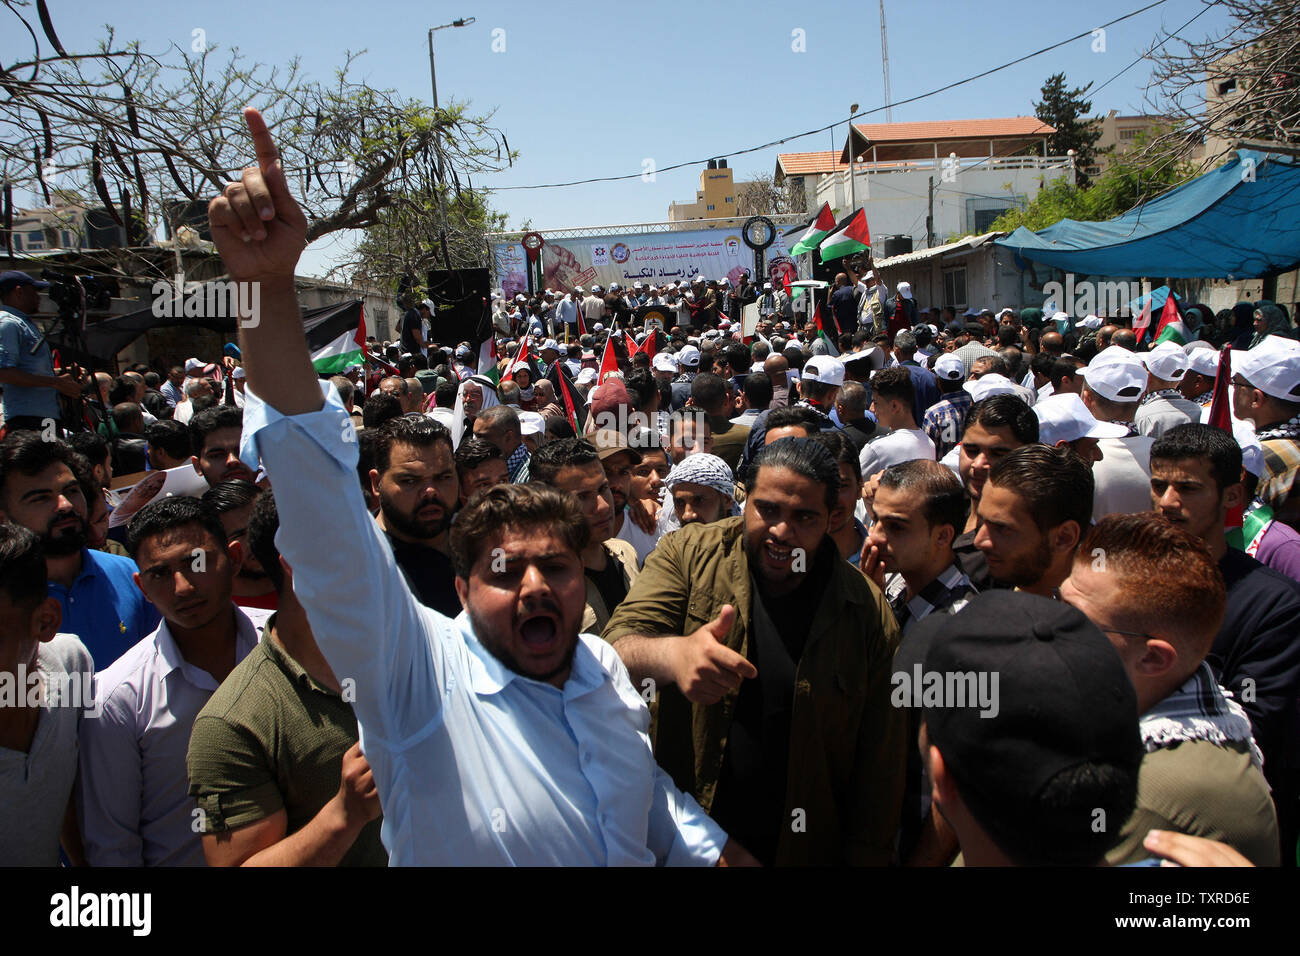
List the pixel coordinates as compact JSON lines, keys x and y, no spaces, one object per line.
{"x":961,"y":245}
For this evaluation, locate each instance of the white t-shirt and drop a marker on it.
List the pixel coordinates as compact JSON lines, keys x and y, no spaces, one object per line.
{"x":641,"y":542}
{"x":905,"y":444}
{"x":1122,"y":479}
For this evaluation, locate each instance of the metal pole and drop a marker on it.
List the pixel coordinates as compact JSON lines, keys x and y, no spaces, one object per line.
{"x":437,"y":149}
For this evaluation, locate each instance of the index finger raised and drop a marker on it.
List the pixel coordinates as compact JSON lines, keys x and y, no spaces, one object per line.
{"x":263,"y":144}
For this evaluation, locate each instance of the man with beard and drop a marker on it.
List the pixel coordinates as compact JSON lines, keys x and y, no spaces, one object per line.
{"x":770,"y":656}
{"x":215,"y":433}
{"x":702,"y":490}
{"x":1033,"y":510}
{"x":573,"y":466}
{"x":503,"y":737}
{"x":133,"y":795}
{"x":500,"y":426}
{"x":100,"y":602}
{"x":415,"y":480}
{"x":620,"y":457}
{"x":233,"y":502}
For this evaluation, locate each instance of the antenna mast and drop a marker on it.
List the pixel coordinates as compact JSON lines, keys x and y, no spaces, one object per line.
{"x":884,"y":64}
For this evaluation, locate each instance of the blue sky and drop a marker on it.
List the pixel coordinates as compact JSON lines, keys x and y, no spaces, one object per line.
{"x":586,"y":89}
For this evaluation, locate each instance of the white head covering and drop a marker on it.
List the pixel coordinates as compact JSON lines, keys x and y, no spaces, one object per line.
{"x":489,"y":399}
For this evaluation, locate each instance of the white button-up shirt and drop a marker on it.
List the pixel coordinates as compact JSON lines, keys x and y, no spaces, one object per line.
{"x":133,"y":796}
{"x":475,"y":764}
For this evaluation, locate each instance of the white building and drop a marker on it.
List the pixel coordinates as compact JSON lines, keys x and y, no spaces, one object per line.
{"x":930,"y":182}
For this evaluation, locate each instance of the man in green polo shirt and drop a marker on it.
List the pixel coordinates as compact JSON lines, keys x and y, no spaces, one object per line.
{"x":274,"y":761}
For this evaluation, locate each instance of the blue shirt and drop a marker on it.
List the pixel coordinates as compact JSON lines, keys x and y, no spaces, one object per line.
{"x":18,"y":335}
{"x":477,"y":764}
{"x":104,"y":608}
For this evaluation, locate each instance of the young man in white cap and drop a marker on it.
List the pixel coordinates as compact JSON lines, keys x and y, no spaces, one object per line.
{"x":945,"y":421}
{"x":1064,"y":420}
{"x":688,"y":359}
{"x":1202,"y":369}
{"x":1163,"y":407}
{"x":1266,"y":390}
{"x":1113,"y":385}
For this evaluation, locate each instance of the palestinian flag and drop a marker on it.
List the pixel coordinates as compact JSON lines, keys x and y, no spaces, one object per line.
{"x":487,"y":356}
{"x":854,"y":237}
{"x":651,"y":344}
{"x":823,"y":334}
{"x":1171,"y":328}
{"x":1143,"y":321}
{"x":608,"y":360}
{"x":821,"y":228}
{"x":566,"y":396}
{"x":346,"y":347}
{"x":632,"y":347}
{"x":522,"y":358}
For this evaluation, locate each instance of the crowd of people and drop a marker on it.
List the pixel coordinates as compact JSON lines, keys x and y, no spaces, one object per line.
{"x":860,"y":588}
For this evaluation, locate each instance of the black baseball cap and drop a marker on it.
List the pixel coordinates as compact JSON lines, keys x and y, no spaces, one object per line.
{"x":1063,"y":697}
{"x":13,"y":278}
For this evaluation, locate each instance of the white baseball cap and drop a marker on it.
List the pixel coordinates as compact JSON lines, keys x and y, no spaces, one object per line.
{"x":550,"y":344}
{"x":586,"y":376}
{"x":825,"y":369}
{"x":598,"y":327}
{"x":724,"y":281}
{"x":193,"y":364}
{"x":949,"y":367}
{"x":532,"y":423}
{"x":1089,"y":322}
{"x":1273,"y":367}
{"x":428,"y":304}
{"x":1203,"y":361}
{"x":521,"y":298}
{"x":991,"y":384}
{"x":689,"y":356}
{"x":1116,"y":374}
{"x":1167,"y":362}
{"x":664,"y":362}
{"x":1064,"y":417}
{"x":578,"y":288}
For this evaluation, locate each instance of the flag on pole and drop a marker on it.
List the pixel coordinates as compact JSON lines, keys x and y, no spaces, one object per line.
{"x":1171,"y":327}
{"x":821,"y":227}
{"x":522,"y":357}
{"x":651,"y":344}
{"x":608,"y":360}
{"x":344,"y":350}
{"x":565,"y":394}
{"x":854,"y":237}
{"x":487,"y":355}
{"x":1143,"y":321}
{"x":785,"y":283}
{"x":822,"y":334}
{"x":632,"y":347}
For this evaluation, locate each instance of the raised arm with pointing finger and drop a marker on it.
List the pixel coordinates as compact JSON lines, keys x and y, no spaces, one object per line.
{"x":480,"y":755}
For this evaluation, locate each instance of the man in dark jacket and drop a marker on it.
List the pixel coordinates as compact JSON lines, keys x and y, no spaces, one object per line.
{"x":774,"y":707}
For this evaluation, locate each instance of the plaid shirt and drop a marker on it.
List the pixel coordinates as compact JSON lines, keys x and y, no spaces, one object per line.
{"x":1280,"y":482}
{"x":946,"y":420}
{"x":948,"y":593}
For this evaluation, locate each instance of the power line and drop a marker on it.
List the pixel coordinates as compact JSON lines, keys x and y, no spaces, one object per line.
{"x":822,"y":129}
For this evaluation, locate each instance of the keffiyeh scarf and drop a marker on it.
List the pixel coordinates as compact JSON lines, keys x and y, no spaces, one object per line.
{"x":1198,"y":710}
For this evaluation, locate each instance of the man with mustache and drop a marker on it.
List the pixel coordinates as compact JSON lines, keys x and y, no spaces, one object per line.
{"x":502,"y":737}
{"x":39,"y":490}
{"x":770,"y":658}
{"x":415,"y":481}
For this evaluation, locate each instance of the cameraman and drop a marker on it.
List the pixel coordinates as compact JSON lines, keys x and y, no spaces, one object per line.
{"x":26,"y":369}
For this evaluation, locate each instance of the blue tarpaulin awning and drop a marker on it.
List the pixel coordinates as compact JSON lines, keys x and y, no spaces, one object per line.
{"x":1241,"y":220}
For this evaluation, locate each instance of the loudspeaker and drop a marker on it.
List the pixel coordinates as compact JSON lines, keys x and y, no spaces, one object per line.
{"x":460,"y":298}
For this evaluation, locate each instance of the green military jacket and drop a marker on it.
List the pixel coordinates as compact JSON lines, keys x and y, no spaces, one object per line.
{"x":847,"y":743}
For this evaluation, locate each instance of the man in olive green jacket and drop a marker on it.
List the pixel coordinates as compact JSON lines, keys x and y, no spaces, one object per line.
{"x":774,"y":707}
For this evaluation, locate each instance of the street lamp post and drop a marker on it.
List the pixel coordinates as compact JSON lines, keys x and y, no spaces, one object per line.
{"x":437,"y":147}
{"x":853,"y":187}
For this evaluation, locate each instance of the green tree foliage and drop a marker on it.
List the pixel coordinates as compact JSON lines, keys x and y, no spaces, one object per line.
{"x":1067,"y":111}
{"x":1137,"y":175}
